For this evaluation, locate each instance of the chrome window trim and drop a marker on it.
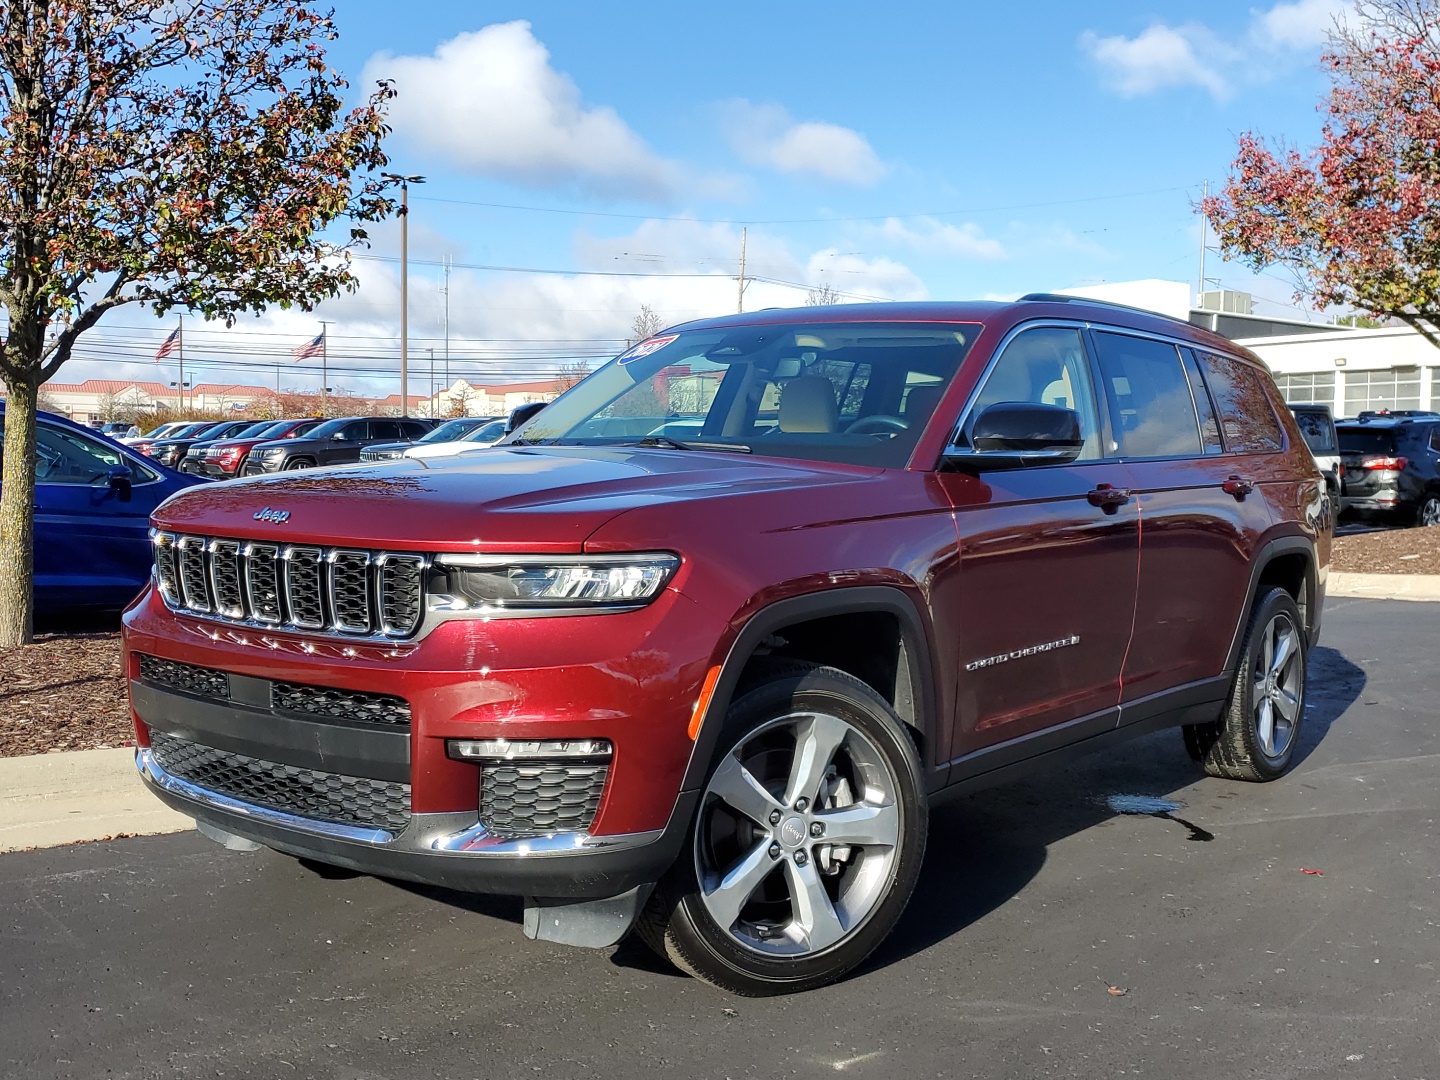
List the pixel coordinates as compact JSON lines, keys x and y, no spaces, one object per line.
{"x":1087,"y":326}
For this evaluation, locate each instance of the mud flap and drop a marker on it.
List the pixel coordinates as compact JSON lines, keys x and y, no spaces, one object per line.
{"x":589,"y":924}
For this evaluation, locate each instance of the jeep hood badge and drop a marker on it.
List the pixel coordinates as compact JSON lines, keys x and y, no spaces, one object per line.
{"x":278,"y":517}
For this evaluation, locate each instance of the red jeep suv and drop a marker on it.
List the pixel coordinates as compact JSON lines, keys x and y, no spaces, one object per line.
{"x":693,"y":650}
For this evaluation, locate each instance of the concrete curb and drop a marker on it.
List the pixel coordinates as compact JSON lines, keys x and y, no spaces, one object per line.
{"x":47,"y":800}
{"x":1385,"y":586}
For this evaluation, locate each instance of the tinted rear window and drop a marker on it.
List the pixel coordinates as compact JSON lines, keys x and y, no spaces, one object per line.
{"x":1366,"y":441}
{"x":1318,"y":429}
{"x":1250,"y":424}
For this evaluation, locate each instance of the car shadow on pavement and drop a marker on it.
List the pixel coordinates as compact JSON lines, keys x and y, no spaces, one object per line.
{"x":984,"y":848}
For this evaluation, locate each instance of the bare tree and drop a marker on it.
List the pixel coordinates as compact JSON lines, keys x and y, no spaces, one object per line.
{"x":822,"y":296}
{"x":647,"y":324}
{"x":572,"y":373}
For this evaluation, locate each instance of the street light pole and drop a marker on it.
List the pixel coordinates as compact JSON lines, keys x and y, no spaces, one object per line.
{"x":404,"y":181}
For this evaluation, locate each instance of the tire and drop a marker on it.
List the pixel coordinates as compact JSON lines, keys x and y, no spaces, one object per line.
{"x":299,"y":463}
{"x":801,"y":751}
{"x":1255,"y":738}
{"x":1428,"y":514}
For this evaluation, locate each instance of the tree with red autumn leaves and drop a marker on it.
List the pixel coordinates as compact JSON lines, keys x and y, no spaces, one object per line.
{"x":185,"y":154}
{"x":1356,"y":221}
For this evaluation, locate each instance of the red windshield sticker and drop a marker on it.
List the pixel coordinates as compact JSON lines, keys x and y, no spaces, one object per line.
{"x":646,"y":347}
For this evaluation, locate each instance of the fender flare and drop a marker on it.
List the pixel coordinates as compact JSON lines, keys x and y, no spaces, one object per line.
{"x":915,"y":646}
{"x":1269,"y":551}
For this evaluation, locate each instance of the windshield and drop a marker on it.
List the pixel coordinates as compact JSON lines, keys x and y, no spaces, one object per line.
{"x":489,"y":433}
{"x":328,"y":428}
{"x":1318,"y":429}
{"x":1366,"y":441}
{"x":253,"y":429}
{"x":450,"y":430}
{"x":857,"y":393}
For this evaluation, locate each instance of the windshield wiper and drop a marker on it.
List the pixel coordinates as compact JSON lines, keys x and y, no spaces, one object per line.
{"x":655,"y":441}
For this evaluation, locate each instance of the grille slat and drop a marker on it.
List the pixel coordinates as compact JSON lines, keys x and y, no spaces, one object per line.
{"x":307,"y":793}
{"x":297,"y":586}
{"x":531,"y":800}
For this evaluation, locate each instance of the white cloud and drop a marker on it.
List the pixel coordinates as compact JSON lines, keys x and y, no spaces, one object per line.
{"x":1158,"y":58}
{"x":881,"y":278}
{"x":936,"y":237}
{"x":1301,"y":24}
{"x":489,"y":102}
{"x":768,"y":135}
{"x":1163,"y":56}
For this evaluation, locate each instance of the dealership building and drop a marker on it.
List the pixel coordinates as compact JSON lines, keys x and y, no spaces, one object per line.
{"x":1349,"y":369}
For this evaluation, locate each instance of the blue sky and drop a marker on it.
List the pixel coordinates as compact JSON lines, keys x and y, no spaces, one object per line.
{"x":923,"y":151}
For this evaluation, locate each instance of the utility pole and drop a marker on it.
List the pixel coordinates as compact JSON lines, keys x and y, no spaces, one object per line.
{"x":447,"y":322}
{"x":740,"y":302}
{"x":432,"y":384}
{"x":404,"y":181}
{"x":324,"y":363}
{"x":1203,"y":224}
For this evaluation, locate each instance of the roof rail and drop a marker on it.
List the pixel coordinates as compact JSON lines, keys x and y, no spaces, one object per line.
{"x":1065,"y":298}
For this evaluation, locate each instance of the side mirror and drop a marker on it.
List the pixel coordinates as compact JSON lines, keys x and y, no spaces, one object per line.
{"x":1020,"y":434}
{"x":521,"y":414}
{"x":121,"y":478}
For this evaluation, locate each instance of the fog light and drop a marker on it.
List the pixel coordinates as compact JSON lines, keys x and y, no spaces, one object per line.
{"x":524,"y":749}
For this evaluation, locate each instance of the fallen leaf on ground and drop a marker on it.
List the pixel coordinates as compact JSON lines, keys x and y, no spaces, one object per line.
{"x":1116,"y":991}
{"x":1307,"y":870}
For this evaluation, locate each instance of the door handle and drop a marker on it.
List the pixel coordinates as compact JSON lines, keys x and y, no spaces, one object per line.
{"x":1239,"y":486}
{"x":1108,"y":497}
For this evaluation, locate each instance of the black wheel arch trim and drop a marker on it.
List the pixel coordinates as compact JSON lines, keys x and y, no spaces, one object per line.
{"x":916,"y":651}
{"x":1311,"y":602}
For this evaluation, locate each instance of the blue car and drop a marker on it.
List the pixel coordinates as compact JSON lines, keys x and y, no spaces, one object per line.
{"x":93,"y":499}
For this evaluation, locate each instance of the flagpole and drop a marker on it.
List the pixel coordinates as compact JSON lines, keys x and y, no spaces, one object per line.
{"x":324,"y":362}
{"x":180,"y":342}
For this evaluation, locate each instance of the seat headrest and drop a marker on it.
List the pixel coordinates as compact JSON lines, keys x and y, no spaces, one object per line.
{"x":807,"y":404}
{"x":920,"y":402}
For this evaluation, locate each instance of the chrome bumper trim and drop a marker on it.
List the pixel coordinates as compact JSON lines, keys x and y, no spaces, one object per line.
{"x":454,"y":834}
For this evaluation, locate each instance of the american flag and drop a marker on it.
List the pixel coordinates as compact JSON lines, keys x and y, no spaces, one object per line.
{"x":314,"y":347}
{"x":169,"y":347}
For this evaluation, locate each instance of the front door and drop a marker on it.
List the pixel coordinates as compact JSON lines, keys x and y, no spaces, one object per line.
{"x":1048,"y":563}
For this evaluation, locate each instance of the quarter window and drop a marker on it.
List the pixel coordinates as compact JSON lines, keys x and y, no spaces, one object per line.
{"x":1046,"y":365}
{"x":1150,"y":398}
{"x":1245,"y":410}
{"x":1204,"y":407}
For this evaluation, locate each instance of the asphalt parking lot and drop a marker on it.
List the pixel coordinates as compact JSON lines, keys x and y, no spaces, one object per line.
{"x":168,"y":956}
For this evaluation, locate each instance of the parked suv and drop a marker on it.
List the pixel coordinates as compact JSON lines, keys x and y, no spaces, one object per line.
{"x":225,"y":458}
{"x":172,"y":449}
{"x":1317,"y":426}
{"x":335,"y":442}
{"x":446,"y":431}
{"x":707,"y":686}
{"x":1392,"y":468}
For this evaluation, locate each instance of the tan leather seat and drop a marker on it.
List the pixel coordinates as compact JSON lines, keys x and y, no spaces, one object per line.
{"x":807,"y":404}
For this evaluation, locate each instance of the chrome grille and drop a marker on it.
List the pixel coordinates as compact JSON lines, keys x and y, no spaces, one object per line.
{"x":350,"y":590}
{"x":529,"y":800}
{"x":309,"y":793}
{"x":225,"y":578}
{"x":304,"y":582}
{"x":296,"y":586}
{"x":402,"y":583}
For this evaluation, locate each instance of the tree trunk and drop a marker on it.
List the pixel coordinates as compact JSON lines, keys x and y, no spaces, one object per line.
{"x":17,"y":515}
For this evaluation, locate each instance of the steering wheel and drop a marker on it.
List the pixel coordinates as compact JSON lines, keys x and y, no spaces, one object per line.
{"x":879,"y":424}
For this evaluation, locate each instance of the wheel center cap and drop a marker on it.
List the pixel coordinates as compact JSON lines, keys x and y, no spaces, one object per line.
{"x":793,"y":831}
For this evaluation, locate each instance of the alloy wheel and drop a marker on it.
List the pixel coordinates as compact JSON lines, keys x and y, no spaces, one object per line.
{"x":798,"y":836}
{"x":1430,"y":511}
{"x":1277,"y":686}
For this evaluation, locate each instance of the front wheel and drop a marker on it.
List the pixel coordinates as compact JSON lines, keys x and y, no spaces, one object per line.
{"x":1256,"y":736}
{"x":806,"y":842}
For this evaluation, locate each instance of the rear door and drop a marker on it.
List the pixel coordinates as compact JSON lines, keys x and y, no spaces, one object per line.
{"x":1196,"y":538}
{"x":1047,"y":568}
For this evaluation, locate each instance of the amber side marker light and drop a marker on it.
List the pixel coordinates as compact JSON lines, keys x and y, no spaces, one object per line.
{"x":707,"y":691}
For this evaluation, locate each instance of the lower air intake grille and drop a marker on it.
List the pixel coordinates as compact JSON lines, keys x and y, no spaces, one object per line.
{"x":530,"y":800}
{"x":350,"y":705}
{"x":202,"y":682}
{"x":307,"y":793}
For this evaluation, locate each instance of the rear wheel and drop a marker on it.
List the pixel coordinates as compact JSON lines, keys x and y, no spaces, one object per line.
{"x":1429,"y":512}
{"x":806,"y":842}
{"x":1255,"y":739}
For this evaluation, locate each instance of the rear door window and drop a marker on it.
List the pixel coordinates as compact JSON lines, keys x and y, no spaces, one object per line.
{"x":1150,"y":402}
{"x":1246,"y":414}
{"x":1318,"y":430}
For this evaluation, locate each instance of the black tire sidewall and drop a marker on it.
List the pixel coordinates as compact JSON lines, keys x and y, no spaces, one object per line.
{"x":707,"y":945}
{"x":1276,"y":602}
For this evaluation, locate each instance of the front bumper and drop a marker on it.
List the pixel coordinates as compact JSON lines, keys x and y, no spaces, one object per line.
{"x":446,"y":849}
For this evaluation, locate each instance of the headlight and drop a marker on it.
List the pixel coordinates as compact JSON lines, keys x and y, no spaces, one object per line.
{"x":498,"y":583}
